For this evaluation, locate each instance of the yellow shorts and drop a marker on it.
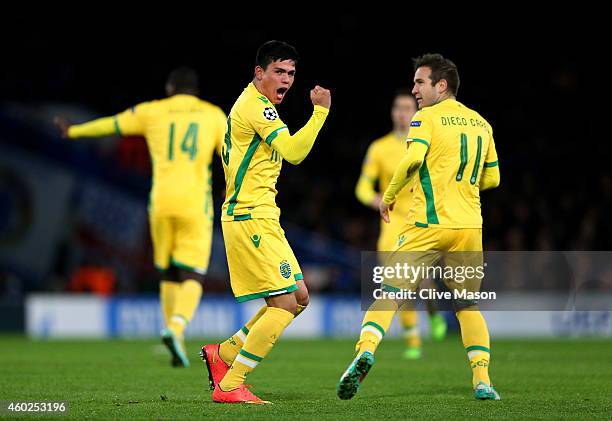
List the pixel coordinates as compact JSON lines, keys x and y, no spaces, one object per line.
{"x":389,"y":233}
{"x":457,"y":250}
{"x":413,"y":238}
{"x":184,"y":242}
{"x":261,"y":262}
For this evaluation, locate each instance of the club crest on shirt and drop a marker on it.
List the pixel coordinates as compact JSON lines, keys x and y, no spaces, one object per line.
{"x":270,"y":113}
{"x":401,"y":240}
{"x":285,"y":269}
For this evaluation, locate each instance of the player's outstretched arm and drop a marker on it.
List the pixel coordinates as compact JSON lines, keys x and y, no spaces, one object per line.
{"x":105,"y":126}
{"x":295,"y":148}
{"x":404,"y":172}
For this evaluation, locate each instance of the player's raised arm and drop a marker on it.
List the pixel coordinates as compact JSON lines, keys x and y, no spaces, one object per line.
{"x":294,"y":148}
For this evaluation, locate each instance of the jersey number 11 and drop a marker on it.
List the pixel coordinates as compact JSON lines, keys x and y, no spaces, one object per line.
{"x":464,"y":159}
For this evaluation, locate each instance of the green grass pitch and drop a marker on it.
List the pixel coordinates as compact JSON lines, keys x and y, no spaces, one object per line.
{"x":117,"y":379}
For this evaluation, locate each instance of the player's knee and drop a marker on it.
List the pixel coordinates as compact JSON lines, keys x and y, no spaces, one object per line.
{"x":301,"y":294}
{"x":290,"y":307}
{"x":287,"y":302}
{"x":302,"y":297}
{"x":169,"y":274}
{"x":303,"y":300}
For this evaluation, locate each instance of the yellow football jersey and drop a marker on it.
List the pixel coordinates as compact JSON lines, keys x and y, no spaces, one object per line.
{"x":382,"y":158}
{"x":250,"y":164}
{"x":182,"y":134}
{"x":460,"y":144}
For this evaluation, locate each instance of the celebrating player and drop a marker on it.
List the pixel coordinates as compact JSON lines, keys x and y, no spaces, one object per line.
{"x":182,"y":133}
{"x":453,"y":154}
{"x":382,"y":158}
{"x":260,"y":260}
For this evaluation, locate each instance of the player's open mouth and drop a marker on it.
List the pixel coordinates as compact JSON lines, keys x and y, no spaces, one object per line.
{"x":280,"y":93}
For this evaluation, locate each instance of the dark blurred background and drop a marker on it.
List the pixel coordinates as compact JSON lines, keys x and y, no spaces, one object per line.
{"x":75,"y":211}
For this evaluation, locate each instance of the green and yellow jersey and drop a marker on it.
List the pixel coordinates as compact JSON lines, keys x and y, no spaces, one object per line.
{"x":382,"y":157}
{"x":255,"y":144}
{"x":460,"y":144}
{"x":182,"y":132}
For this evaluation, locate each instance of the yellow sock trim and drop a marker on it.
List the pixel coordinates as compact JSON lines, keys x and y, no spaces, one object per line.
{"x":412,"y":337}
{"x":375,"y":323}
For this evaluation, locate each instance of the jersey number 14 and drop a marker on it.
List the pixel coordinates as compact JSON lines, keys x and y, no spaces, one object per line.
{"x":189,"y":145}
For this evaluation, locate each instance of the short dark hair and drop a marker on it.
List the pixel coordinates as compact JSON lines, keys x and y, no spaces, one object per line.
{"x":403,"y":92}
{"x":441,"y":68}
{"x":272,"y":51}
{"x":184,"y":79}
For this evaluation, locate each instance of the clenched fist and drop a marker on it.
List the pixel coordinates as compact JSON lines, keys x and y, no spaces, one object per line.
{"x":320,"y":96}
